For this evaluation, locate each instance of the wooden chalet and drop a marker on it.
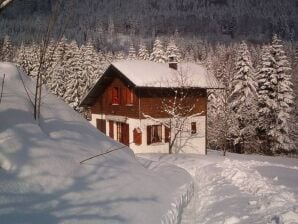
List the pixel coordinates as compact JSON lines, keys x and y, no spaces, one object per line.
{"x":126,"y":104}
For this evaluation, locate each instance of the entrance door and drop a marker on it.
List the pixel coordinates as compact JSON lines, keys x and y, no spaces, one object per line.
{"x":125,"y":134}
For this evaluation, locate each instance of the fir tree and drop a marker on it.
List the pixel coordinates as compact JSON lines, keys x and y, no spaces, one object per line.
{"x":267,"y":81}
{"x":242,"y":98}
{"x":89,"y":65}
{"x":57,"y":71}
{"x":132,"y":52}
{"x":7,"y":51}
{"x":75,"y":82}
{"x":283,"y":98}
{"x":120,"y":55}
{"x":158,"y":54}
{"x":143,"y":53}
{"x":173,"y":51}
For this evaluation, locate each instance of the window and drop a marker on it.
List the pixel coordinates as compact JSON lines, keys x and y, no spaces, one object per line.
{"x":129,"y":96}
{"x":193,"y":128}
{"x":122,"y":133}
{"x":154,"y":134}
{"x":167,"y":134}
{"x":111,"y":129}
{"x":116,"y":95}
{"x":101,"y":125}
{"x":119,"y":132}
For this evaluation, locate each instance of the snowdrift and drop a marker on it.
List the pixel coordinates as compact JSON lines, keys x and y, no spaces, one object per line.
{"x":42,"y":180}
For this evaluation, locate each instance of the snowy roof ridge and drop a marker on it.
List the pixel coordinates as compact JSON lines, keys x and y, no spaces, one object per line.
{"x":144,"y":73}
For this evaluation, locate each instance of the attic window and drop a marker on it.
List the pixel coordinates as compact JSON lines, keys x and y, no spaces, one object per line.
{"x":129,"y":96}
{"x":116,"y":96}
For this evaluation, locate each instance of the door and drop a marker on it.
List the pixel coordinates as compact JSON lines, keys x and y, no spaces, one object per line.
{"x":125,"y":134}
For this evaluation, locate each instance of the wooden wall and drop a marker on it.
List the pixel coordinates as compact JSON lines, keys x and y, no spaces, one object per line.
{"x":150,"y":100}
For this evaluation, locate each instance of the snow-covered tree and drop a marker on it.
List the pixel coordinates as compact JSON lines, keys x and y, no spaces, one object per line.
{"x":173,"y":51}
{"x":75,"y":82}
{"x":58,"y":70}
{"x":132,"y":52}
{"x":143,"y":53}
{"x":7,"y":51}
{"x":120,"y":55}
{"x":89,"y":65}
{"x":243,"y":98}
{"x":266,"y":79}
{"x":26,"y":57}
{"x":158,"y":54}
{"x":283,"y":98}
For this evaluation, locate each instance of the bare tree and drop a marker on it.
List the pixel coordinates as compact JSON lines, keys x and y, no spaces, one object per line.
{"x":179,"y":104}
{"x":44,"y":56}
{"x":4,"y":3}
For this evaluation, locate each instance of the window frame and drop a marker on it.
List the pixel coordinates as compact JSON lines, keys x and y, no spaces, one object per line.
{"x":154,"y":134}
{"x":115,"y":94}
{"x":129,"y":97}
{"x":193,"y":128}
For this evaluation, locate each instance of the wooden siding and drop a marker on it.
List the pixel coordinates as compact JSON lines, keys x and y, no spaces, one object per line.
{"x":104,"y":104}
{"x":150,"y":100}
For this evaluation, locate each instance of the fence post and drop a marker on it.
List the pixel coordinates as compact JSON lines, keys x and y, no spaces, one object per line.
{"x":2,"y":86}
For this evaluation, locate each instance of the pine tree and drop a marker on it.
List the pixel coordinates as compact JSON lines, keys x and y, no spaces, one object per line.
{"x":143,"y":53}
{"x":120,"y":56}
{"x":267,"y":81}
{"x":243,"y":98}
{"x":7,"y":51}
{"x":57,"y":72}
{"x":32,"y":56}
{"x":283,"y":98}
{"x":158,"y":54}
{"x":75,"y":82}
{"x":173,"y":51}
{"x":132,"y":52}
{"x":89,"y":65}
{"x":21,"y":58}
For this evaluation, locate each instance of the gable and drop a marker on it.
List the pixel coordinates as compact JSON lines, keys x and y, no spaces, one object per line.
{"x":140,"y":73}
{"x":102,"y":84}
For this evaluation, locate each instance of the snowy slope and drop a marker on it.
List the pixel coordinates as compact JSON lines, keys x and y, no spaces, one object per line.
{"x":239,"y":188}
{"x":41,"y":177}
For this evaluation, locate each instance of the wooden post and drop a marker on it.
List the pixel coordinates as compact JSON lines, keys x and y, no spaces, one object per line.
{"x":2,"y":86}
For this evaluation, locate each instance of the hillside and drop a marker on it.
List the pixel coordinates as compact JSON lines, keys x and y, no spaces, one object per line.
{"x":42,"y":178}
{"x":215,"y":20}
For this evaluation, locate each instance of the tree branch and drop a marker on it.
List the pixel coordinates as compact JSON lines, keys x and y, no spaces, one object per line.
{"x":4,"y":3}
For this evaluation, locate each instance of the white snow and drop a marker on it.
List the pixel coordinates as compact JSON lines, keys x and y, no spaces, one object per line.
{"x":42,"y":180}
{"x":152,"y":74}
{"x":239,"y":188}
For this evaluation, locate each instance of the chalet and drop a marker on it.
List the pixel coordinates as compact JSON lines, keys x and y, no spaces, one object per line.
{"x":127,"y":105}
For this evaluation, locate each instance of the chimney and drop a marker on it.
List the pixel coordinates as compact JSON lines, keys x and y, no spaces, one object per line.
{"x":173,"y":62}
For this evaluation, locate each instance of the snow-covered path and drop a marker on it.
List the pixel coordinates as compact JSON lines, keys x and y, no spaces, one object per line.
{"x":239,"y":188}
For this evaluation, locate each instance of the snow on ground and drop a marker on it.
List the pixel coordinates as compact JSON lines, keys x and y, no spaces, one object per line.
{"x":239,"y":188}
{"x":42,"y":180}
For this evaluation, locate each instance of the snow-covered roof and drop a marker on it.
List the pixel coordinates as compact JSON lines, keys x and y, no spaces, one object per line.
{"x":143,"y":73}
{"x":152,"y":74}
